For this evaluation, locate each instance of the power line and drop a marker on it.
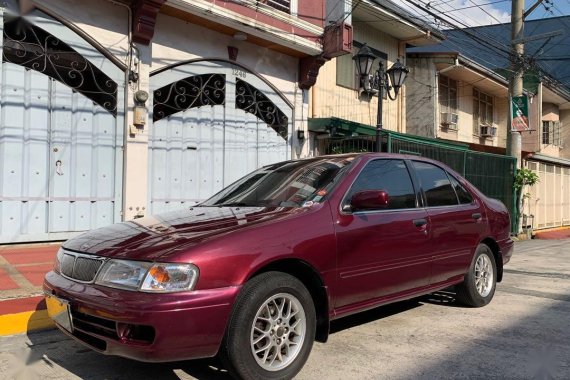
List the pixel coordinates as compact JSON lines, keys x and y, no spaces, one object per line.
{"x":487,"y":41}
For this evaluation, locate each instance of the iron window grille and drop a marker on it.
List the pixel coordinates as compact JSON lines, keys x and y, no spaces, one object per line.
{"x":551,"y":133}
{"x":483,"y":111}
{"x":280,"y":5}
{"x":447,"y":94}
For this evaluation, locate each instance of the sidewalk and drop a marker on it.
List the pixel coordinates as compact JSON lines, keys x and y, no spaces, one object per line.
{"x":22,"y":270}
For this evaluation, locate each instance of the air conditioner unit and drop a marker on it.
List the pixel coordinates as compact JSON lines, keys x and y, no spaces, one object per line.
{"x":449,"y":118}
{"x":488,"y":131}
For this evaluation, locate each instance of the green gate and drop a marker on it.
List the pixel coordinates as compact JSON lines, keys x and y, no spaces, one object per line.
{"x":493,"y":174}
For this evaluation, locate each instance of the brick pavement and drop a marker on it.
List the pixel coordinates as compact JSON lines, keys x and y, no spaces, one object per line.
{"x":22,"y":269}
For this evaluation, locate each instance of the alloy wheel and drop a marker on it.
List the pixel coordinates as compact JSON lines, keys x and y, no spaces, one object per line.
{"x":278,"y":332}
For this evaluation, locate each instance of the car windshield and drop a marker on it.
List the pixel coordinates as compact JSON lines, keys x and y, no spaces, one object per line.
{"x":285,"y":184}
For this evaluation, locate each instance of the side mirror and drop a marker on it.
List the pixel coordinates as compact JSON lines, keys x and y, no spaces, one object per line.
{"x":369,"y":200}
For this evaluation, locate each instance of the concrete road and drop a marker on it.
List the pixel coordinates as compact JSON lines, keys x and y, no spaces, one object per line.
{"x":523,"y":334}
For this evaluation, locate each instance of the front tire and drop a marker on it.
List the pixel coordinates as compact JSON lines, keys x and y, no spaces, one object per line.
{"x":271,"y":329}
{"x":478,"y":287}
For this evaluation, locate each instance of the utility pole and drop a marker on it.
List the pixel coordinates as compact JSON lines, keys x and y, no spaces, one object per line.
{"x":514,"y":143}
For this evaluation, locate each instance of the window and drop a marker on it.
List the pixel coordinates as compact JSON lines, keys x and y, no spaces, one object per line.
{"x":346,"y":74}
{"x":463,"y":195}
{"x":391,"y":176}
{"x":551,"y":133}
{"x":281,"y":5}
{"x":482,"y":110}
{"x":436,"y":185}
{"x":447,"y":94}
{"x":284,"y":184}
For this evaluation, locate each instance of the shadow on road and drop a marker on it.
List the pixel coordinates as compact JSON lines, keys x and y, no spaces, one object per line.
{"x":55,"y":349}
{"x":373,"y":315}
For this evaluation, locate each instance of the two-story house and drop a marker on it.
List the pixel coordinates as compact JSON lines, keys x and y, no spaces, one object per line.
{"x":460,"y":93}
{"x":114,"y":109}
{"x":338,"y":104}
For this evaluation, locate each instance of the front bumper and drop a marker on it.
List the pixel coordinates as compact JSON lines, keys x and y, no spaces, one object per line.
{"x":145,"y":326}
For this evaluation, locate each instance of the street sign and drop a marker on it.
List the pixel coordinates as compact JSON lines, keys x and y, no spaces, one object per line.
{"x":519,"y":109}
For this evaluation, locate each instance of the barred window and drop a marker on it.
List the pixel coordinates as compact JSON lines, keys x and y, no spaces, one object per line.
{"x":281,"y":5}
{"x":447,"y":94}
{"x":483,"y":110}
{"x":551,"y":133}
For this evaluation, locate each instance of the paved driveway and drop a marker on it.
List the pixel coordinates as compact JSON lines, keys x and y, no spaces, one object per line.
{"x":523,"y":334}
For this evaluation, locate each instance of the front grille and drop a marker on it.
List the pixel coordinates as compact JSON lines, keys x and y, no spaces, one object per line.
{"x":85,"y":268}
{"x":67,"y":264}
{"x":80,"y":267}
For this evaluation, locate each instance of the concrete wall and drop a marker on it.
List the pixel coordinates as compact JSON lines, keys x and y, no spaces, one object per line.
{"x":565,"y":134}
{"x":421,"y":91}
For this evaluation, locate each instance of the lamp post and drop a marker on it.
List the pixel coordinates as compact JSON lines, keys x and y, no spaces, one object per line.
{"x":380,"y":81}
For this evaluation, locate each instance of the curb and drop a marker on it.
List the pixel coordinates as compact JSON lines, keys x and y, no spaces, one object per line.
{"x":557,"y":233}
{"x":24,"y":315}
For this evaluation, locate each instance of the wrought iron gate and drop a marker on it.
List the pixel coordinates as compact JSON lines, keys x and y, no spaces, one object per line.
{"x":61,"y":127}
{"x":213,"y":122}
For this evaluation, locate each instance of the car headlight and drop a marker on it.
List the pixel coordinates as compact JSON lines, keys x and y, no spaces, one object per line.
{"x":147,"y":277}
{"x":170,"y":278}
{"x":58,"y":258}
{"x":123,"y":274}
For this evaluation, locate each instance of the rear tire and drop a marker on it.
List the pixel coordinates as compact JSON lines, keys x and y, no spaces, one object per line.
{"x":271,"y":329}
{"x":478,"y":287}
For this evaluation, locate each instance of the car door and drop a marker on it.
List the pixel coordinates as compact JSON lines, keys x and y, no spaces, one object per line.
{"x":457,"y":221}
{"x":382,"y":252}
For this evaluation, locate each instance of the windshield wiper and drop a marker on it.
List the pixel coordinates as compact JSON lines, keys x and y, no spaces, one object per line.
{"x":234,"y":204}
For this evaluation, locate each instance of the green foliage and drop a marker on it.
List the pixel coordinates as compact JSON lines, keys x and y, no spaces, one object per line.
{"x":525,"y":177}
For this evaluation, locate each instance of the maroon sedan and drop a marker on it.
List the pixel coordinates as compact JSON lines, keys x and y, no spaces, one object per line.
{"x":257,"y":272}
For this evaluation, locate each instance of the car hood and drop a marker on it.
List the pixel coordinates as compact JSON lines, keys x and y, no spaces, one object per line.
{"x":155,"y":237}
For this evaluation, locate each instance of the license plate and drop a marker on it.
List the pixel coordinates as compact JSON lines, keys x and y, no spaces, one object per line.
{"x":60,"y":312}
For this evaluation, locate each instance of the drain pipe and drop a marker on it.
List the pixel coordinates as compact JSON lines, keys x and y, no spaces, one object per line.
{"x":126,"y":100}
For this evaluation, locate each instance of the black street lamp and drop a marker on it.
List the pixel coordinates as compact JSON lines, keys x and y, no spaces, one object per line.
{"x":380,"y":81}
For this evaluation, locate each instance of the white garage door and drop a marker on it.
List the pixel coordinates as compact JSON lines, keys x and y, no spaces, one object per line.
{"x":213,"y":122}
{"x":60,"y":132}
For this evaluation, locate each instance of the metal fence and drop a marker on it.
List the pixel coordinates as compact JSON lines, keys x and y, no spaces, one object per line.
{"x":493,"y":174}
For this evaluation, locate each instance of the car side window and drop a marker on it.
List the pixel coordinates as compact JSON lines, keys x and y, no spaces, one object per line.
{"x":391,"y":176}
{"x":464,"y":196}
{"x":436,"y":185}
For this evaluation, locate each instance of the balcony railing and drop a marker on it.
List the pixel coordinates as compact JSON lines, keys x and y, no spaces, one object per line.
{"x":281,"y":5}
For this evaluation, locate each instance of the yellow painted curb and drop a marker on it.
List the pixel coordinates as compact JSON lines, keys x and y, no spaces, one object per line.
{"x":19,"y":323}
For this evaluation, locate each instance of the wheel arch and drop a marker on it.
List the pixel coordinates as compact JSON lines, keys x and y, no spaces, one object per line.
{"x":492,"y":244}
{"x":314,"y":283}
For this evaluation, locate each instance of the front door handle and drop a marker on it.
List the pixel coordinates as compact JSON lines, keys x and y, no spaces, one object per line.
{"x":476,"y":216}
{"x":419,"y":222}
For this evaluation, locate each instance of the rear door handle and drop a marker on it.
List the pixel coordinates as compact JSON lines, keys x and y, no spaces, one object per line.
{"x":476,"y":216}
{"x":419,"y":222}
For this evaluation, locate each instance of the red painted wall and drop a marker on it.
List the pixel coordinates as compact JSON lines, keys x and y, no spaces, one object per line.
{"x":312,"y":11}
